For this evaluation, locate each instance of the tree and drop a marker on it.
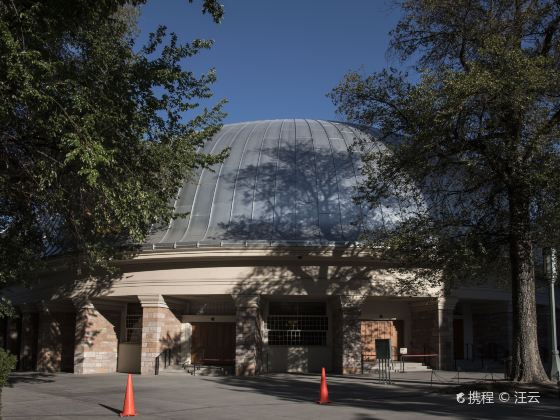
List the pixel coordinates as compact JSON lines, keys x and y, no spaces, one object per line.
{"x":474,"y":144}
{"x":96,"y":134}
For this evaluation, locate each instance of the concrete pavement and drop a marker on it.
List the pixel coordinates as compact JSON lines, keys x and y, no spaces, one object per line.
{"x":68,"y":396}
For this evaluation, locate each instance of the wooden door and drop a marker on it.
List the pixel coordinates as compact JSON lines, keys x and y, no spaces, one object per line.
{"x":458,"y":339}
{"x":392,"y":330}
{"x":213,"y":343}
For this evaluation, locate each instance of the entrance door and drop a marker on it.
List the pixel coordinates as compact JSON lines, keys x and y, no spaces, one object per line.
{"x":371,"y":331}
{"x":213,"y":343}
{"x":458,"y":339}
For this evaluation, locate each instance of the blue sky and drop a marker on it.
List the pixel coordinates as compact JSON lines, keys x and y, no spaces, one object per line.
{"x":278,"y":59}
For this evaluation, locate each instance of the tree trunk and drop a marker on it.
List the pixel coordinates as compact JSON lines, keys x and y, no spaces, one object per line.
{"x":526,"y":362}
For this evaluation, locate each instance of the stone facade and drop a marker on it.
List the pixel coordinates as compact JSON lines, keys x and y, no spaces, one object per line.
{"x":351,"y":310}
{"x":96,"y":340}
{"x":161,"y":330}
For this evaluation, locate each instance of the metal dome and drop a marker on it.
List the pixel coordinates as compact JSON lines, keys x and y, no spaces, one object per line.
{"x":284,"y":182}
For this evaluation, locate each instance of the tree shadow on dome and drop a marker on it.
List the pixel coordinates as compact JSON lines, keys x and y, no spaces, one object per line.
{"x":296,"y":192}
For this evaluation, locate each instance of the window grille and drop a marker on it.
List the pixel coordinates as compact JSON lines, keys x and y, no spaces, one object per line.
{"x":309,"y":323}
{"x":297,"y":338}
{"x":212,"y":308}
{"x":134,"y":328}
{"x":297,"y":324}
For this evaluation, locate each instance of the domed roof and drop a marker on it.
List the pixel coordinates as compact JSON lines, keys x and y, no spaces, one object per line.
{"x":285,"y":182}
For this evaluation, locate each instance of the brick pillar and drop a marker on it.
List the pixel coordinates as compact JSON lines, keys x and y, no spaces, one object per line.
{"x":161,"y":330}
{"x":351,"y":310}
{"x":248,"y":337}
{"x":96,"y":340}
{"x":28,"y":350}
{"x":445,"y":307}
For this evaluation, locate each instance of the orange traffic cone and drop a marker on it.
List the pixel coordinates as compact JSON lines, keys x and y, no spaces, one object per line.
{"x":324,"y":395}
{"x":128,"y":408}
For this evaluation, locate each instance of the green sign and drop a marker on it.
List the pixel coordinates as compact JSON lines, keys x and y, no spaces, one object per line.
{"x":383,"y":348}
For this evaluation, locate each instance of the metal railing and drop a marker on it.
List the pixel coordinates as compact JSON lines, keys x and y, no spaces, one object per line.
{"x":166,"y":357}
{"x":485,"y":354}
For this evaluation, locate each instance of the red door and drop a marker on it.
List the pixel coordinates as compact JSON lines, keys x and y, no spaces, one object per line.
{"x":213,"y":343}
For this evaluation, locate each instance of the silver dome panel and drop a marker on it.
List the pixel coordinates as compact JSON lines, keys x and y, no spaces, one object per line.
{"x":284,"y":182}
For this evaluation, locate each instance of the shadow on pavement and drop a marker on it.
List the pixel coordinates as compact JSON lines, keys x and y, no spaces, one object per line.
{"x":30,"y":378}
{"x":366,"y":393}
{"x":114,"y":410}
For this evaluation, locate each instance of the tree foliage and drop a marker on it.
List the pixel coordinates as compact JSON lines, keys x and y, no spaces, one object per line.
{"x":478,"y":135}
{"x":8,"y":363}
{"x":96,"y":133}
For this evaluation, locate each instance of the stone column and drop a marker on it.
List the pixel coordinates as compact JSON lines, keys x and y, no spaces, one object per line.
{"x":49,"y":351}
{"x":161,"y":330}
{"x":96,"y":339}
{"x":56,"y":337}
{"x":445,"y":307}
{"x":351,"y":311}
{"x":248,"y":337}
{"x":28,"y":349}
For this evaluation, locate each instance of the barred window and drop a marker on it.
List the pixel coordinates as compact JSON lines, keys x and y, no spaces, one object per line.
{"x":308,"y":323}
{"x":297,"y":324}
{"x":297,"y":338}
{"x":133,"y":328}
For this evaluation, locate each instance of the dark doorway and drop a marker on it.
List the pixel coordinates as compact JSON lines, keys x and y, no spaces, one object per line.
{"x":213,"y":343}
{"x":458,"y":339}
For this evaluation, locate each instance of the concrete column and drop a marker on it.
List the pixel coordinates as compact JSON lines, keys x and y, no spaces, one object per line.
{"x":161,"y":330}
{"x":96,"y":339}
{"x":445,"y":307}
{"x":28,"y":349}
{"x":248,"y":337}
{"x":351,"y":311}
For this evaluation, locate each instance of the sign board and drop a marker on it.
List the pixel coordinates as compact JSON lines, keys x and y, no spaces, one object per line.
{"x":383,"y":348}
{"x":403,"y":350}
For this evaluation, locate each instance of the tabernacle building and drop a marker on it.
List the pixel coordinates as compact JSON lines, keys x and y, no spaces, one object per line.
{"x":261,"y":272}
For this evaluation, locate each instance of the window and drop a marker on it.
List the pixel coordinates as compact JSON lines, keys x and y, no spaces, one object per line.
{"x":134,"y":328}
{"x":133,"y":323}
{"x":297,"y":324}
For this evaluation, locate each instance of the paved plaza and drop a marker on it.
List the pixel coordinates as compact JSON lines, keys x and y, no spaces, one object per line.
{"x":68,"y":396}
